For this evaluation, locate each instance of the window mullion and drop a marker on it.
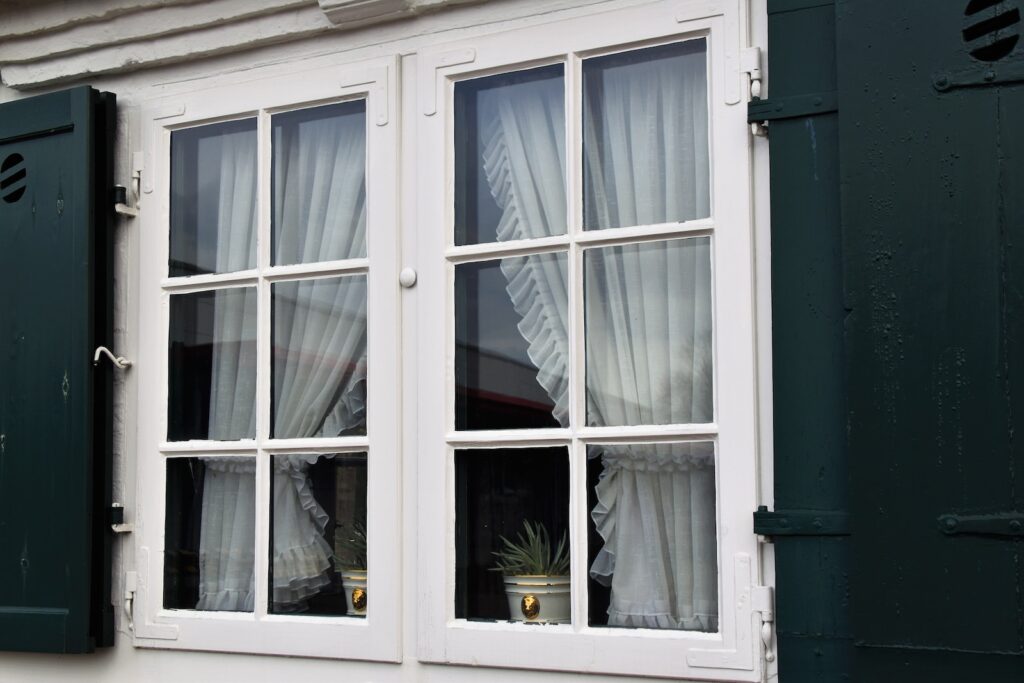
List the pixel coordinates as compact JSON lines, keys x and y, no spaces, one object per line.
{"x":578,"y":534}
{"x":262,"y":541}
{"x":263,"y":369}
{"x":263,"y":343}
{"x":574,"y":139}
{"x":577,"y":391}
{"x":574,"y":197}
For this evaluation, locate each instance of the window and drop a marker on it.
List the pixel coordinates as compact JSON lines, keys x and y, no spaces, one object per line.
{"x":586,"y":349}
{"x":272,"y":279}
{"x":578,"y":344}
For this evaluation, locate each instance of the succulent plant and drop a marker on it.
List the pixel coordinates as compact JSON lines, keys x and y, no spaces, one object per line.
{"x":531,"y":554}
{"x":352,"y":544}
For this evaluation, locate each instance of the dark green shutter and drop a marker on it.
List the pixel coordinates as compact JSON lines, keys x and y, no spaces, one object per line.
{"x":808,"y":525}
{"x":932,"y":148}
{"x":55,"y":179}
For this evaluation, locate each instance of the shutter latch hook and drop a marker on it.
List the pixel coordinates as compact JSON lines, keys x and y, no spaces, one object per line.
{"x":120,"y":362}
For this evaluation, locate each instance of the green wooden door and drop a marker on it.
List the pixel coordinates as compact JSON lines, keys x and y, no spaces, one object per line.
{"x":54,"y":307}
{"x":932,"y":175}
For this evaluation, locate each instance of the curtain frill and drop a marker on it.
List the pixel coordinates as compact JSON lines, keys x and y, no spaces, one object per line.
{"x":301,"y":553}
{"x":532,"y":202}
{"x":657,"y":502}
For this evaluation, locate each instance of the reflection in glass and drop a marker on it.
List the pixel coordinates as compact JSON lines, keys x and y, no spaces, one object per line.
{"x":510,"y":156}
{"x":511,"y":353}
{"x":648,"y":333}
{"x":210,"y":534}
{"x":211,"y":363}
{"x":213,"y":198}
{"x":653,"y":550}
{"x":645,"y":136}
{"x":319,"y":357}
{"x":496,"y":491}
{"x":319,"y":184}
{"x":318,"y":561}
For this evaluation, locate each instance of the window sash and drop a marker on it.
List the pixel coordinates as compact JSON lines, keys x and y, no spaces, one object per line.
{"x":730,"y":653}
{"x":376,"y":637}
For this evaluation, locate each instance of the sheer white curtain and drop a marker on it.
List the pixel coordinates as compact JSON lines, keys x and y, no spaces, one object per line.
{"x":648,"y":316}
{"x":227,"y":527}
{"x":319,"y":330}
{"x":649,"y":362}
{"x":319,"y":367}
{"x":649,"y":338}
{"x":656,"y":513}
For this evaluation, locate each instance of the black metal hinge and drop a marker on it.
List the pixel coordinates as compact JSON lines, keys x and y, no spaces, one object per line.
{"x":811,"y":104}
{"x":1009,"y":524}
{"x":800,"y":522}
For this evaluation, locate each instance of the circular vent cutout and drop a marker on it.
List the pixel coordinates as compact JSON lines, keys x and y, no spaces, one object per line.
{"x":12,"y":178}
{"x":991,"y":29}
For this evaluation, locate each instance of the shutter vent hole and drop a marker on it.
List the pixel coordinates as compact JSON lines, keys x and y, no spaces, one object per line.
{"x":991,"y":35}
{"x":12,"y":178}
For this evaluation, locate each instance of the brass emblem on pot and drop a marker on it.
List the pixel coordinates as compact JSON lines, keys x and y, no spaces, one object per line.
{"x":359,"y":599}
{"x":530,"y":606}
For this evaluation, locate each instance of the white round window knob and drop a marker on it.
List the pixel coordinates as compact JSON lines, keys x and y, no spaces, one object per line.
{"x":407,"y":278}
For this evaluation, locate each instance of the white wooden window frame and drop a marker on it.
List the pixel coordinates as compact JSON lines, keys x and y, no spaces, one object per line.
{"x":377,"y":636}
{"x":734,"y":653}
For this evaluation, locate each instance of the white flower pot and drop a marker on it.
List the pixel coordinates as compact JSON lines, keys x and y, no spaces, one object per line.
{"x":538,"y":599}
{"x":354,"y":584}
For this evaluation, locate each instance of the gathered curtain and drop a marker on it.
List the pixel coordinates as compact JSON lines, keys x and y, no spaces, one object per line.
{"x":646,"y":162}
{"x":319,"y":374}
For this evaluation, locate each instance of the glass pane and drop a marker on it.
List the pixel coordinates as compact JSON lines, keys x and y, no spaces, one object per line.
{"x":318,"y":534}
{"x":210,"y":534}
{"x":319,"y":184}
{"x":653,"y":550}
{"x":513,"y":494}
{"x":211,"y":361}
{"x":511,"y":343}
{"x":213,"y":198}
{"x":645,"y":136}
{"x":510,"y":156}
{"x":319,"y":357}
{"x":648,"y":332}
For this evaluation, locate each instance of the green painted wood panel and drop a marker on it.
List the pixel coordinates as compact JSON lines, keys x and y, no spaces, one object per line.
{"x":814,"y":640}
{"x":932,"y":239}
{"x":54,"y":406}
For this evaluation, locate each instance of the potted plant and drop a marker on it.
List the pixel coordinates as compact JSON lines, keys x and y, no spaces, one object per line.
{"x":536,"y":577}
{"x":352,"y":560}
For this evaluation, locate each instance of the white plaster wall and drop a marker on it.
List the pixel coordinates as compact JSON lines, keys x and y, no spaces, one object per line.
{"x":134,"y":87}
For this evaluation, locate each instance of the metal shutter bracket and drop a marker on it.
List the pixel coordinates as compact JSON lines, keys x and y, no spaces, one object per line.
{"x":770,"y":523}
{"x":1000,"y":524}
{"x":810,"y":104}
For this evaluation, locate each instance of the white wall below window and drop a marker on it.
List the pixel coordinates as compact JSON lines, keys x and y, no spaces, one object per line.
{"x":125,"y":665}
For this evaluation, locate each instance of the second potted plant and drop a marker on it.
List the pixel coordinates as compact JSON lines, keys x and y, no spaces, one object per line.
{"x":353,"y":571}
{"x":536,"y":576}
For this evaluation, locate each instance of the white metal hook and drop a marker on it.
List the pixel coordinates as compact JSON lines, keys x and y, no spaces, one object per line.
{"x":120,"y":362}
